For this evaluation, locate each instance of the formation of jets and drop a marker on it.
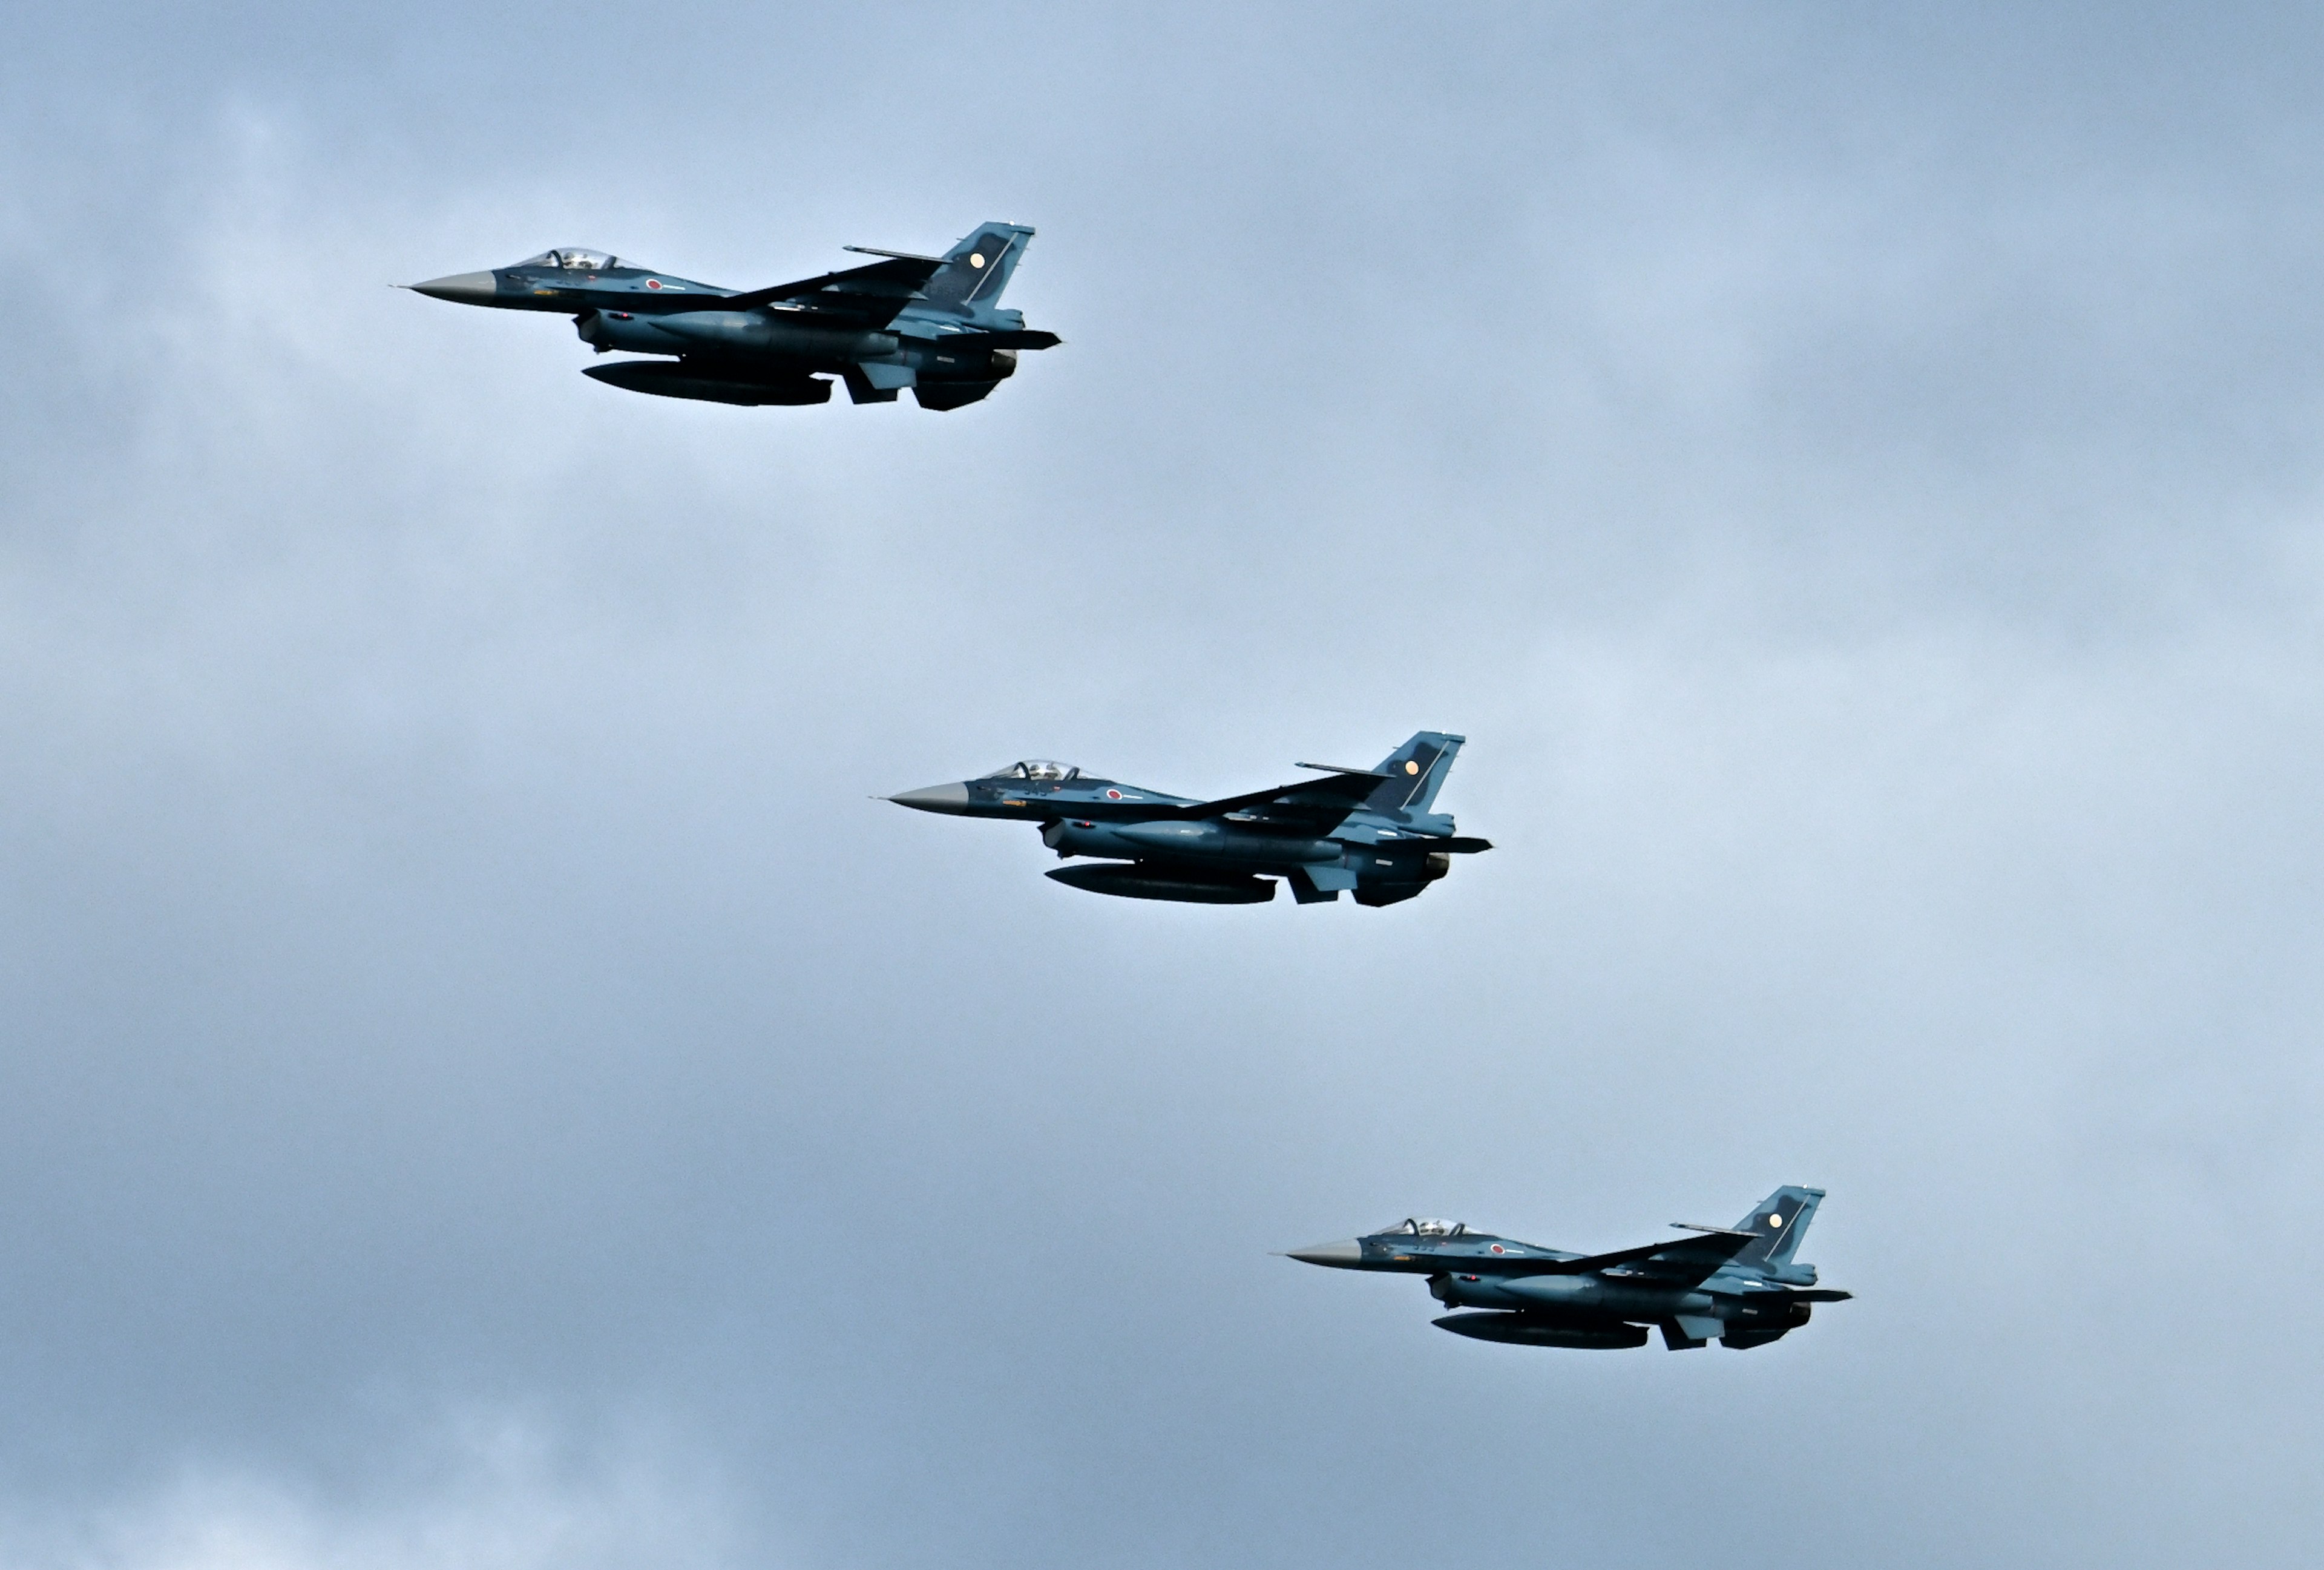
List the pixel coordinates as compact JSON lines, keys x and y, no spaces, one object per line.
{"x":935,"y":324}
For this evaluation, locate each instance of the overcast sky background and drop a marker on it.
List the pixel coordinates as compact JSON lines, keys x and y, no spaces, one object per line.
{"x":481,"y":1085}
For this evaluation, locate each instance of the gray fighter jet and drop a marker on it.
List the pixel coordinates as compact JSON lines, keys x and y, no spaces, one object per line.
{"x":1737,"y":1283}
{"x":1369,"y":832}
{"x":930,"y":323}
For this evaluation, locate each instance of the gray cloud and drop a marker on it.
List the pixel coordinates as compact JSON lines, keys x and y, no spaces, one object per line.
{"x":480,"y":1084}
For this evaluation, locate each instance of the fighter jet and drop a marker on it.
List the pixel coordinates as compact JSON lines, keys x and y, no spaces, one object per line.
{"x":1736,"y":1283}
{"x":930,"y":323}
{"x":1369,"y":832}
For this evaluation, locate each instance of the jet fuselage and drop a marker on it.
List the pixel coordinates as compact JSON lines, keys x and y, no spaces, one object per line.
{"x":1370,"y":832}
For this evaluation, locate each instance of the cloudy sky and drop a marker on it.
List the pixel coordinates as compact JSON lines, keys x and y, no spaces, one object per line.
{"x":481,"y":1086}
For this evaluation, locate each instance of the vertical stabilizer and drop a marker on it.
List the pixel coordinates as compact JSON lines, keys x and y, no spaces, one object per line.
{"x":1415,"y":771}
{"x":1776,"y":1225}
{"x":977,"y":270}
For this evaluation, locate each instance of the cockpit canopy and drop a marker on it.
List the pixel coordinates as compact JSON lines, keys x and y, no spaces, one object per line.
{"x":1036,"y":769}
{"x":573,"y":261}
{"x":1421,"y":1226}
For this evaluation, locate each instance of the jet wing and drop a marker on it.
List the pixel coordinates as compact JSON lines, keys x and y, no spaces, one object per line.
{"x":1684,"y":1261}
{"x":1315,"y":803}
{"x":873,"y":294}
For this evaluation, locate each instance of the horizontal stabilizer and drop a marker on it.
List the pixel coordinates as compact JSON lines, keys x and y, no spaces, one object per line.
{"x":894,"y":255}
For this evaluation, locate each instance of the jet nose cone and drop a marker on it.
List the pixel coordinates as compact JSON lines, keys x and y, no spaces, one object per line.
{"x":953,"y":799}
{"x":1349,"y":1252}
{"x":460,"y":288}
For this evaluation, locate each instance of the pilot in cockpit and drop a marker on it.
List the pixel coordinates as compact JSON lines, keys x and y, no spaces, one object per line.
{"x":574,"y":261}
{"x":1423,"y":1226}
{"x":1036,"y":769}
